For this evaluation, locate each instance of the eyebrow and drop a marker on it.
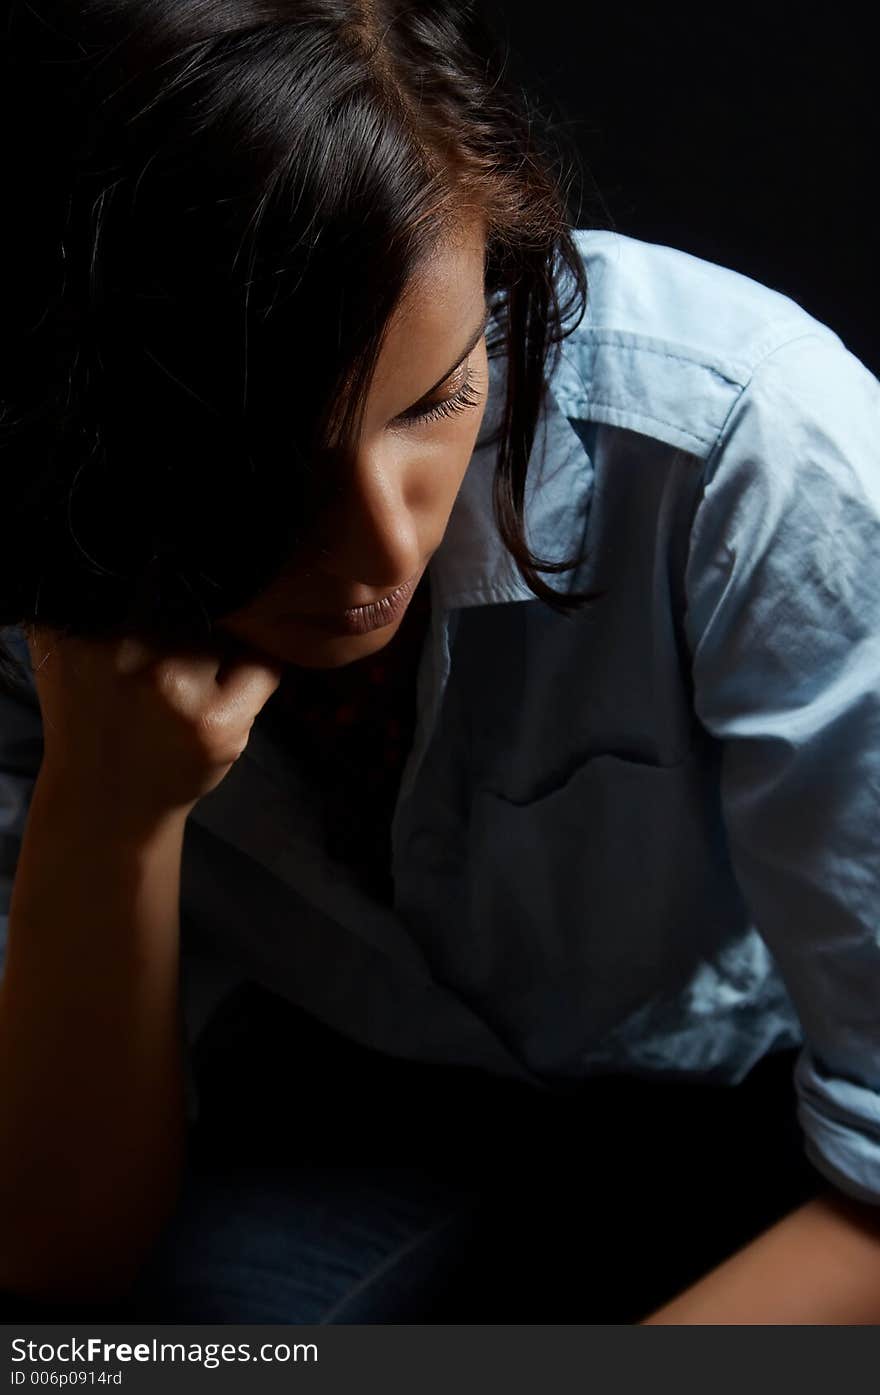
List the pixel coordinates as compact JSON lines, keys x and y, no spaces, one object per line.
{"x":469,"y":347}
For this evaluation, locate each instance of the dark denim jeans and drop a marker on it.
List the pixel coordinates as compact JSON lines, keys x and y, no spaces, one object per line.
{"x":327,"y":1183}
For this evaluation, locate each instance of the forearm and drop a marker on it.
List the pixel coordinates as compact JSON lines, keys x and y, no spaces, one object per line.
{"x":819,"y":1265}
{"x":92,"y":1104}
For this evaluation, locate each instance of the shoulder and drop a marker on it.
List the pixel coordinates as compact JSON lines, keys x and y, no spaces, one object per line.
{"x":669,"y":340}
{"x":648,"y":288}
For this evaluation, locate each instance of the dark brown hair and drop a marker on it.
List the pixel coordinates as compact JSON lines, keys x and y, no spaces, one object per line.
{"x":213,"y":209}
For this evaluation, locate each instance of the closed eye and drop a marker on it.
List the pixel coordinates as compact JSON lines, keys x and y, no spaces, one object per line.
{"x":466,"y":396}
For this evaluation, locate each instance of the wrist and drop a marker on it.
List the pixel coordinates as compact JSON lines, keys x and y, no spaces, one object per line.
{"x":89,"y":808}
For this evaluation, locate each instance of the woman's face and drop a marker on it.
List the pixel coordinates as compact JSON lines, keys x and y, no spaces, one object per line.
{"x":392,"y":512}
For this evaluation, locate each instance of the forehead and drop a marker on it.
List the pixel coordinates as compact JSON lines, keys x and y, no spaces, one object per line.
{"x":445,"y":297}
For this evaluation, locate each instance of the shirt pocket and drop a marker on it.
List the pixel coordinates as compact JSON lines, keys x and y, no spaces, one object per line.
{"x":593,"y":898}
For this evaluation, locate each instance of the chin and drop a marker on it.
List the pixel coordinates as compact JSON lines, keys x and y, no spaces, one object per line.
{"x":322,"y":651}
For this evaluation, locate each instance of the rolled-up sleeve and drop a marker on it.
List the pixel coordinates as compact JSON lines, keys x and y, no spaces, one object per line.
{"x":783,"y":624}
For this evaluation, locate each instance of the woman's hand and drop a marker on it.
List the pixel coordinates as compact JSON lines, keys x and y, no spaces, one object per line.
{"x":143,"y":732}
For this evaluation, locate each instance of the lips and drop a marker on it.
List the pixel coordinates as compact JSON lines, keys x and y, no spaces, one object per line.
{"x":359,"y":620}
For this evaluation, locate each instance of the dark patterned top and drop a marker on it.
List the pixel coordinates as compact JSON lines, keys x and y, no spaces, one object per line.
{"x":350,"y":731}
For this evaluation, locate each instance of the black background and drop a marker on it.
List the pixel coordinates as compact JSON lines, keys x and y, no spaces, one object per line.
{"x":746,"y":136}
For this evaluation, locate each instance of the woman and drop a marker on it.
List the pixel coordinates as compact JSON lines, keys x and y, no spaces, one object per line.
{"x":523,"y":939}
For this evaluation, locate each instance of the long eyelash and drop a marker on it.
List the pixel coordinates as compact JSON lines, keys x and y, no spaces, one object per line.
{"x":467,"y":396}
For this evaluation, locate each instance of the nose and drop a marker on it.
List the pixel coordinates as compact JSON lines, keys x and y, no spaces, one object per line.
{"x":369,"y":532}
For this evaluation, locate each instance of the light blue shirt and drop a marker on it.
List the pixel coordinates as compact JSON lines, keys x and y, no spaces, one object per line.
{"x":643,"y":838}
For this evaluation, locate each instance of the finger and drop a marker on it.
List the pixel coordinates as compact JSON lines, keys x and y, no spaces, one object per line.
{"x":249,"y":681}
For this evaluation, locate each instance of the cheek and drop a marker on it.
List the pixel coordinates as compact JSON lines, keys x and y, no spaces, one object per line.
{"x":439,"y":470}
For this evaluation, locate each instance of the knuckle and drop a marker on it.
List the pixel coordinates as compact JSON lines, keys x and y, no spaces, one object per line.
{"x":167,"y":680}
